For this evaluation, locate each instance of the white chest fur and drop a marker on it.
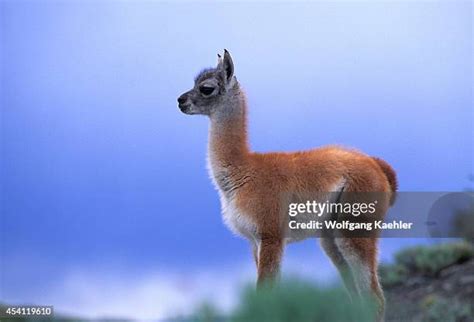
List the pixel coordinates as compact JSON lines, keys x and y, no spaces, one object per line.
{"x":237,"y":222}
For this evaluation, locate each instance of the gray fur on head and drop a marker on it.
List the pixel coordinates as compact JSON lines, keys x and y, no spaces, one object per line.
{"x":214,"y":92}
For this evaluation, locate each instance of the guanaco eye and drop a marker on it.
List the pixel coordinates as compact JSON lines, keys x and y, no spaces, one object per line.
{"x":206,"y":90}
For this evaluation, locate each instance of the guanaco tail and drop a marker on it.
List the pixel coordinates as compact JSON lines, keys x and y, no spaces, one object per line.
{"x":252,"y":185}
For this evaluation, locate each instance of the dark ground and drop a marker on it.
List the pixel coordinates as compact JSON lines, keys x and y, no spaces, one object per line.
{"x":448,"y":296}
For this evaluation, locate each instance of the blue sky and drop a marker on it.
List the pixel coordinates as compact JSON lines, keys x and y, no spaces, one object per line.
{"x":104,"y":184}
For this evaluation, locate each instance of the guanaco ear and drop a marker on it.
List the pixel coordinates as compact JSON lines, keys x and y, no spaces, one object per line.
{"x":226,"y":66}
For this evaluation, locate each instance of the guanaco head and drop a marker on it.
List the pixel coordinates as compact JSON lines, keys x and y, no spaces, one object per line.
{"x":212,"y":90}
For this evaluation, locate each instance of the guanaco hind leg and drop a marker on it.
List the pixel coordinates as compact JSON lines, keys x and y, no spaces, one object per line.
{"x":361,"y":256}
{"x":361,"y":253}
{"x":329,"y":246}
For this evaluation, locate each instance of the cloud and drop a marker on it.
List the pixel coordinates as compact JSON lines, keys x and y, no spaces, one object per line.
{"x":149,"y":294}
{"x":157,"y":295}
{"x":113,"y":290}
{"x":161,"y":295}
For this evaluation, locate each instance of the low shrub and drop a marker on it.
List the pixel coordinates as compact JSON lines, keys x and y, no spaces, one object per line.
{"x":429,"y":260}
{"x":391,"y":275}
{"x":294,"y":300}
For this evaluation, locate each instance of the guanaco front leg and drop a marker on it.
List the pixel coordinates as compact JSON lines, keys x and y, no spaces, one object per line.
{"x":269,"y":259}
{"x":255,"y":251}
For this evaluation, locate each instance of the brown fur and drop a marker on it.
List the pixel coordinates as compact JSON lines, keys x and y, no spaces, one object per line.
{"x":391,"y":176}
{"x":253,"y":185}
{"x":257,"y":181}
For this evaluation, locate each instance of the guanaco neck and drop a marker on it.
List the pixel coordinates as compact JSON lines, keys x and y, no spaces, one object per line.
{"x":228,"y":146}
